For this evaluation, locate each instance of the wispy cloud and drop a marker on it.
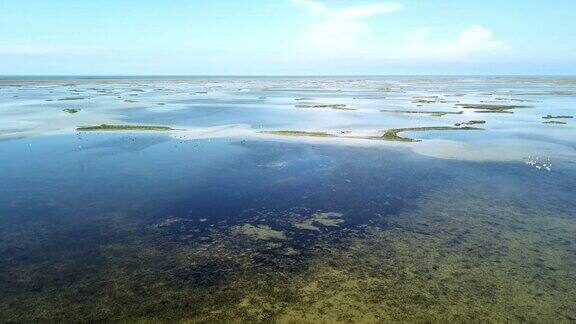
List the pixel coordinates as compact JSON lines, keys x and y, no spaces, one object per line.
{"x":348,"y":33}
{"x":367,"y":11}
{"x":348,"y":13}
{"x":472,"y":41}
{"x":341,"y":31}
{"x":312,"y":6}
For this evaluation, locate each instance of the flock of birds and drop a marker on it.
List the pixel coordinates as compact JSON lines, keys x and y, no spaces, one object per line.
{"x":539,"y":164}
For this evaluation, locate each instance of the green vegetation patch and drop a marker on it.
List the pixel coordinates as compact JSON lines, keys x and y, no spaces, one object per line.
{"x":71,"y":110}
{"x":298,"y":133}
{"x":71,"y":98}
{"x":490,"y":108}
{"x":392,"y":134}
{"x":557,"y":117}
{"x":471,"y":122}
{"x":106,"y":127}
{"x":432,"y":113}
{"x":542,"y":93}
{"x":428,"y":100}
{"x":330,"y":106}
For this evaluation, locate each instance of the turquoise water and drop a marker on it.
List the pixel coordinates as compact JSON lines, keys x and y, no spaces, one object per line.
{"x":216,"y":221}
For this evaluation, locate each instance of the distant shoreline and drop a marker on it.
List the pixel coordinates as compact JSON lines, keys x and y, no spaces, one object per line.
{"x":195,"y":77}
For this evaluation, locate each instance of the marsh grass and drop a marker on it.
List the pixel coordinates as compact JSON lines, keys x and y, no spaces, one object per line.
{"x":393,"y":134}
{"x":389,"y":135}
{"x":432,"y":113}
{"x":106,"y":127}
{"x":557,"y":117}
{"x":298,"y":133}
{"x":329,"y":106}
{"x":490,"y":108}
{"x":71,"y":98}
{"x":471,"y":122}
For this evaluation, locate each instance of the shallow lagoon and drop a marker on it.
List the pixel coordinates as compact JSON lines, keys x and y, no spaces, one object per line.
{"x":216,"y":221}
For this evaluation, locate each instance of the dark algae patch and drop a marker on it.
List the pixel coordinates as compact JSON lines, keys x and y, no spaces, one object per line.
{"x":106,"y":127}
{"x":71,"y":110}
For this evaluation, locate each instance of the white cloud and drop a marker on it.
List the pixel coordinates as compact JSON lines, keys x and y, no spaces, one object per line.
{"x":341,"y":31}
{"x":312,"y":6}
{"x":348,"y":33}
{"x":472,"y":41}
{"x":367,"y":11}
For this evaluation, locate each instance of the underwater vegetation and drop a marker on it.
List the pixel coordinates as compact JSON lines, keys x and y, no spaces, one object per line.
{"x":71,"y":110}
{"x":327,"y":218}
{"x":260,"y":232}
{"x":558,"y":122}
{"x":106,"y":127}
{"x":450,"y":258}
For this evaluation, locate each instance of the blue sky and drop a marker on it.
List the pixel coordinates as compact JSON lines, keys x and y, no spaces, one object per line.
{"x":287,"y":37}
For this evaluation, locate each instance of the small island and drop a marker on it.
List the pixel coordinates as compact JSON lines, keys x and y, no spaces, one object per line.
{"x":106,"y":127}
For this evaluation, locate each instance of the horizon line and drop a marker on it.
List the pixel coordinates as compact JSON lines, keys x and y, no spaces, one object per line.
{"x":281,"y":75}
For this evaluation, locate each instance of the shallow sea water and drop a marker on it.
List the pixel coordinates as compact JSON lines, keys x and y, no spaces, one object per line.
{"x":218,"y":222}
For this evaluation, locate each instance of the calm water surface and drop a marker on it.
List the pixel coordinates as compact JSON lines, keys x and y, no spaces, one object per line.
{"x":218,"y":222}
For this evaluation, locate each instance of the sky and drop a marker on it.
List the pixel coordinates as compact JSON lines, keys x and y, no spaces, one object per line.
{"x":287,"y":37}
